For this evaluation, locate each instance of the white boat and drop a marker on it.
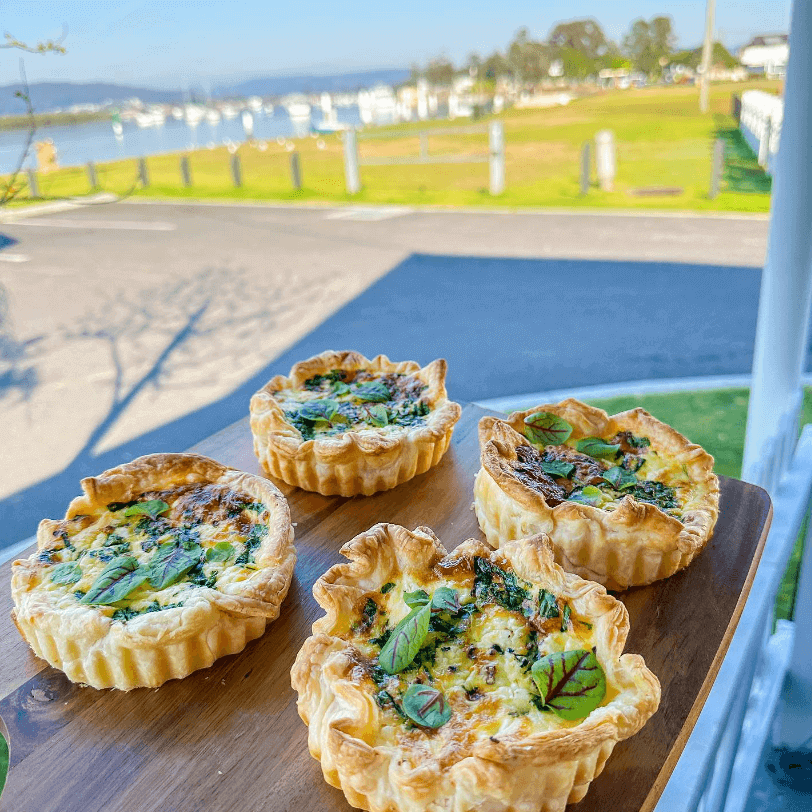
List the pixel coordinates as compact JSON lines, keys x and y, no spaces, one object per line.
{"x":298,"y":111}
{"x":268,"y":109}
{"x":229,"y":112}
{"x":150,"y":118}
{"x":177,"y":113}
{"x":213,"y":116}
{"x":254,"y":103}
{"x":193,"y":114}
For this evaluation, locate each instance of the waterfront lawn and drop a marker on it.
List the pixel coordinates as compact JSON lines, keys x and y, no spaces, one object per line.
{"x":662,"y":141}
{"x":716,"y":420}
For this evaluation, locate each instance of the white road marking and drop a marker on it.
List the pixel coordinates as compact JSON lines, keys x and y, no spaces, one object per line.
{"x":14,"y":258}
{"x":369,"y":213}
{"x":112,"y":225}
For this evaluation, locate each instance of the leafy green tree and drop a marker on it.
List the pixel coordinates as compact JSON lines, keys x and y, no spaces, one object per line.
{"x":439,"y":71}
{"x":581,"y":45}
{"x":649,"y":42}
{"x":495,"y":66}
{"x":528,"y":60}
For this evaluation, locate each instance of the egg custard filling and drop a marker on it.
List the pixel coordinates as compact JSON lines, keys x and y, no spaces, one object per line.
{"x":344,"y":400}
{"x":153,"y":552}
{"x":473,"y":652}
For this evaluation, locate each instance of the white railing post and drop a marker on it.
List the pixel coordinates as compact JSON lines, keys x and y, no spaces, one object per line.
{"x":786,"y":283}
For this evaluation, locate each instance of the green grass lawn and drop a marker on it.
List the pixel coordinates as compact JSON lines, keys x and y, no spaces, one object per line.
{"x":716,"y":420}
{"x":3,"y":762}
{"x":662,"y":140}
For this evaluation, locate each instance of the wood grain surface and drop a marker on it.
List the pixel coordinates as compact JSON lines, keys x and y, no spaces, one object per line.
{"x":229,"y":739}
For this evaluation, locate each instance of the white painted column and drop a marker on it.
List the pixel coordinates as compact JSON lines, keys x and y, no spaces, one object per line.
{"x":786,"y":284}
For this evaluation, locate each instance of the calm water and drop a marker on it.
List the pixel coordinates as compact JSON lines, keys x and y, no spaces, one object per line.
{"x":95,"y":141}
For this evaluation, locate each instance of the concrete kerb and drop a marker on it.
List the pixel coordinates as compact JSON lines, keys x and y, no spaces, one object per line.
{"x":37,"y":209}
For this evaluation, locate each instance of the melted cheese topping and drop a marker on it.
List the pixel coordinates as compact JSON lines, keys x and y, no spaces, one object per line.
{"x":481,"y":665}
{"x":199,"y":517}
{"x":389,"y":410}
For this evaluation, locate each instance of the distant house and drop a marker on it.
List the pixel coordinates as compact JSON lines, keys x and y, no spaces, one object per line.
{"x":766,"y":55}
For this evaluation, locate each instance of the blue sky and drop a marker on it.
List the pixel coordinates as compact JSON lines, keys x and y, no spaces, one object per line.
{"x":174,"y":43}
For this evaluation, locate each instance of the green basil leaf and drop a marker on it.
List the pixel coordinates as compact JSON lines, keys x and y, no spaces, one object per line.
{"x":597,"y":448}
{"x":221,"y":551}
{"x":426,"y":706}
{"x":340,"y":388}
{"x":377,"y":415}
{"x":445,"y":599}
{"x":387,"y":587}
{"x":565,"y":618}
{"x":620,"y":478}
{"x":588,"y":495}
{"x":120,"y":577}
{"x":417,"y":598}
{"x":68,"y":573}
{"x":638,"y":442}
{"x":318,"y":410}
{"x":372,"y":392}
{"x":153,"y":508}
{"x":571,"y":683}
{"x":546,"y":428}
{"x":558,"y":468}
{"x":548,"y":605}
{"x":405,"y":641}
{"x":171,"y":562}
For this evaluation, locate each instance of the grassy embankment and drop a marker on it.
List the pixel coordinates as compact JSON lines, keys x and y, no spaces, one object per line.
{"x":662,"y":140}
{"x":716,"y":420}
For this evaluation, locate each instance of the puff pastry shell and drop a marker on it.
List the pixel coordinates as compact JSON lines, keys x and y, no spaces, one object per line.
{"x":356,"y":461}
{"x":522,"y":773}
{"x":91,"y":648}
{"x":634,"y":544}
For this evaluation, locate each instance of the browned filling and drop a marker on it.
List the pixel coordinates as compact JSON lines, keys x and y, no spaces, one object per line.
{"x":555,"y":489}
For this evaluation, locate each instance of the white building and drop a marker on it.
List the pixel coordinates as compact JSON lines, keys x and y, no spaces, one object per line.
{"x":766,"y":54}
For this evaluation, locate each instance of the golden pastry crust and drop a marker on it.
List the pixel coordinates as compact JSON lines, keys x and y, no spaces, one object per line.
{"x":540,"y":770}
{"x":151,"y":648}
{"x":634,"y":544}
{"x":357,"y":461}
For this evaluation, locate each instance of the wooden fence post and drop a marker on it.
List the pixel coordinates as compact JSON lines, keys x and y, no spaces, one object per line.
{"x":496,"y":144}
{"x":143,"y":175}
{"x":236,"y":170}
{"x":33,"y":187}
{"x":717,"y":166}
{"x":295,"y":170}
{"x":92,"y":176}
{"x":351,"y":173}
{"x":185,"y":171}
{"x":586,"y":168}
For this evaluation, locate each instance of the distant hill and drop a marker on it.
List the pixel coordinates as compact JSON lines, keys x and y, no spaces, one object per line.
{"x":333,"y":83}
{"x":47,"y":96}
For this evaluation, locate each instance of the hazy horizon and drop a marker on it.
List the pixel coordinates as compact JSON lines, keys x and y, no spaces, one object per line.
{"x":170,"y":45}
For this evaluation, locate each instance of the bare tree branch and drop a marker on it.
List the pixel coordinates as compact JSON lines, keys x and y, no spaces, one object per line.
{"x":10,"y":191}
{"x":48,"y":46}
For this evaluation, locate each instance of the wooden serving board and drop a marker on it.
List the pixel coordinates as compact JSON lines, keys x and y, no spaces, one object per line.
{"x":229,"y":739}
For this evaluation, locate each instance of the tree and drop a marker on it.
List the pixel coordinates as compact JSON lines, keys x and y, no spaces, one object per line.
{"x":581,"y":45}
{"x":528,"y":60}
{"x":439,"y":71}
{"x":9,"y":190}
{"x":649,"y":42}
{"x":495,"y":66}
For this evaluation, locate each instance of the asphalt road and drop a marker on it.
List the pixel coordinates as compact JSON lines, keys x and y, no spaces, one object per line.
{"x":132,"y":328}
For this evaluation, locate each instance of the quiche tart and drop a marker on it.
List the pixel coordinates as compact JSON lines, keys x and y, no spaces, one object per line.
{"x":626,"y":499}
{"x":162,"y":566}
{"x":343,"y":424}
{"x":480,"y":679}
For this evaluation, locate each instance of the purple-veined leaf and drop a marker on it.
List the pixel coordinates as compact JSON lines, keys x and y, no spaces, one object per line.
{"x":377,"y":415}
{"x":416,"y":599}
{"x":620,"y":478}
{"x":426,"y":706}
{"x":171,"y":562}
{"x":405,"y":641}
{"x":571,"y":683}
{"x":597,"y":448}
{"x":153,"y":508}
{"x":445,"y":599}
{"x":546,"y":428}
{"x":318,"y":410}
{"x":120,"y":577}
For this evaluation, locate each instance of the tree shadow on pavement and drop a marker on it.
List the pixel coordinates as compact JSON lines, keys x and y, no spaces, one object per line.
{"x":506,"y":326}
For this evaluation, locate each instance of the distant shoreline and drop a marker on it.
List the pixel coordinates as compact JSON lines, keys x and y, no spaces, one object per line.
{"x":51,"y":119}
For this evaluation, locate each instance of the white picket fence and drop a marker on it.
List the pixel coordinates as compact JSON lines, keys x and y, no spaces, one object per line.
{"x":762,"y":116}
